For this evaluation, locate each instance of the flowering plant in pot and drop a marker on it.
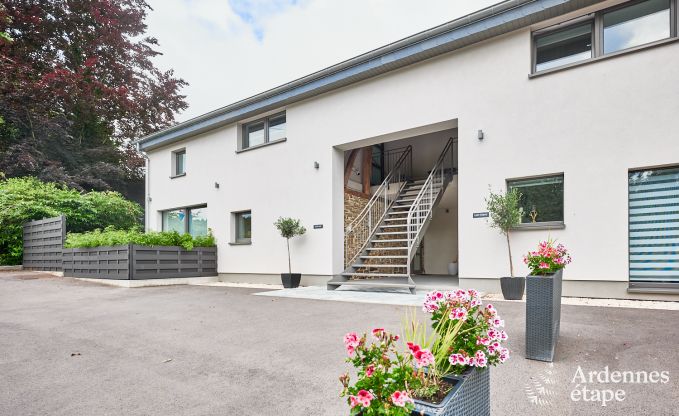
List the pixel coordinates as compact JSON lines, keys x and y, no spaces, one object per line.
{"x":445,"y":370}
{"x":383,"y":375}
{"x":543,"y":298}
{"x":289,"y":228}
{"x":505,"y":214}
{"x":547,"y":259}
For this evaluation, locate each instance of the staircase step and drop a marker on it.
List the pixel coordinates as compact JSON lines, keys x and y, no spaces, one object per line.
{"x":379,"y":266}
{"x":401,"y":207}
{"x":349,"y":274}
{"x":375,"y":283}
{"x":384,"y":257}
{"x":393,"y":226}
{"x":395,"y":240}
{"x":397,"y":219}
{"x":386,"y":248}
{"x":392,"y":233}
{"x":400,"y":201}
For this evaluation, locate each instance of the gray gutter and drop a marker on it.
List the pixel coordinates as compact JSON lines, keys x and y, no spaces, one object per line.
{"x":484,"y":24}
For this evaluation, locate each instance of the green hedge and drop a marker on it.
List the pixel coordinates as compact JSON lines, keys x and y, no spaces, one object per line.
{"x":112,"y":237}
{"x":26,"y":199}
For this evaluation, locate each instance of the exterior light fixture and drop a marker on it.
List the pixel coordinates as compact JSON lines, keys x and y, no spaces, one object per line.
{"x":216,"y":185}
{"x":480,"y":134}
{"x":316,"y":165}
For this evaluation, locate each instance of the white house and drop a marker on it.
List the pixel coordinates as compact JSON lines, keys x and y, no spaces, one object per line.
{"x":576,"y":103}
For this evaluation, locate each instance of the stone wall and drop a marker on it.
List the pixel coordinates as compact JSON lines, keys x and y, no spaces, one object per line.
{"x":353,"y":205}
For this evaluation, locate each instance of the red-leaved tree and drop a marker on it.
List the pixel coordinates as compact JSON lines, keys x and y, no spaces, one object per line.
{"x":77,"y":85}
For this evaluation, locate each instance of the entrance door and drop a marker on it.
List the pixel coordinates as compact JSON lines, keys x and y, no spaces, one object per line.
{"x":654,"y":228}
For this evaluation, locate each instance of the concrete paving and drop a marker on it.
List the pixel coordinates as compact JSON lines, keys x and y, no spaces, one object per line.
{"x":78,"y":348}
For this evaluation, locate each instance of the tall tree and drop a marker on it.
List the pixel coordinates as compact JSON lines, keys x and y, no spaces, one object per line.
{"x":78,"y":85}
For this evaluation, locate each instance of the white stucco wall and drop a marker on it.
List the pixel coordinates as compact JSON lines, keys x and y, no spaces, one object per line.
{"x":592,"y":123}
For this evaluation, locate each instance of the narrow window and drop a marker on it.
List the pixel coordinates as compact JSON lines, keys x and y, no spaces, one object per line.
{"x":174,"y":220}
{"x":635,"y":25}
{"x":243,"y":231}
{"x":654,"y":227}
{"x":267,"y":130}
{"x":541,"y":198}
{"x":179,"y":163}
{"x":564,"y":46}
{"x":198,"y":221}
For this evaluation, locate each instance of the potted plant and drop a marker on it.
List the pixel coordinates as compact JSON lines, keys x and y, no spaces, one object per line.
{"x":289,"y":228}
{"x":543,"y":299}
{"x":442,"y":373}
{"x":505,"y":214}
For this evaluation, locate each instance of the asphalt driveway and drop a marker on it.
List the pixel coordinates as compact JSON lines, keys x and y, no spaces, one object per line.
{"x":74,"y":348}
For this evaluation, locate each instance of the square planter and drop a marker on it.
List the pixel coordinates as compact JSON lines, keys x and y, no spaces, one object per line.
{"x":470,"y":396}
{"x":543,"y":315}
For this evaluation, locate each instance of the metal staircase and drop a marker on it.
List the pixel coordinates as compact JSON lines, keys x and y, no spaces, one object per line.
{"x":386,"y":234}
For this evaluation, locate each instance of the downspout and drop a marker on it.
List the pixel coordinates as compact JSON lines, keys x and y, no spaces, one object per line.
{"x":147,"y":186}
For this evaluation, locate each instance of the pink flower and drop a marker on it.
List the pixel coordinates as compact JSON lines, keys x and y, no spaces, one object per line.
{"x":494,"y":347}
{"x":413,"y":347}
{"x":377,"y":332}
{"x":503,"y":354}
{"x":543,"y":265}
{"x":423,"y":357}
{"x":459,"y":313}
{"x":457,"y":359}
{"x":490,"y":308}
{"x":351,"y":341}
{"x":363,"y":398}
{"x":482,"y":341}
{"x":400,"y":398}
{"x":481,"y":360}
{"x":369,"y":370}
{"x":493,"y":334}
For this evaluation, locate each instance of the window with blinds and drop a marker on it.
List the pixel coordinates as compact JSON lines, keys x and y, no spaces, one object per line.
{"x":654,"y":227}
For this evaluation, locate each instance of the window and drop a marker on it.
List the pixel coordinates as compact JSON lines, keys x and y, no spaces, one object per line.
{"x":603,"y":33}
{"x":563,"y":47}
{"x":179,"y":162}
{"x":635,"y":25}
{"x":541,"y":198}
{"x":654,"y":227}
{"x":186,"y":220}
{"x":268,"y":130}
{"x":243,"y":227}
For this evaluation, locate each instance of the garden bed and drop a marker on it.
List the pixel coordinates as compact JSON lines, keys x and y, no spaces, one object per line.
{"x":137,"y":262}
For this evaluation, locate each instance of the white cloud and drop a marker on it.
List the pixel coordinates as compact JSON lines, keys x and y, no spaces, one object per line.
{"x":229,"y":50}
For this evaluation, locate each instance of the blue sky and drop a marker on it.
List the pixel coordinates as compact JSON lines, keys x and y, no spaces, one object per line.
{"x":232,"y":49}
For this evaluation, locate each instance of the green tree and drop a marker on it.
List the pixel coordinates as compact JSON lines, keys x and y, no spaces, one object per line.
{"x":26,"y":199}
{"x":505,"y":214}
{"x":289,"y":228}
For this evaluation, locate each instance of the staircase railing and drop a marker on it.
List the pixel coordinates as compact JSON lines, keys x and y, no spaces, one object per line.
{"x":423,"y":205}
{"x":358,"y":233}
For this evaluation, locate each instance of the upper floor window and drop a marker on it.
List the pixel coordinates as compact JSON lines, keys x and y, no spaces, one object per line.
{"x":179,"y":162}
{"x":541,"y":198}
{"x":266,"y":130}
{"x":605,"y":32}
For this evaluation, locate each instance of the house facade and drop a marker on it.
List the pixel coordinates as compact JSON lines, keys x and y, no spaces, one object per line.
{"x":575,"y":103}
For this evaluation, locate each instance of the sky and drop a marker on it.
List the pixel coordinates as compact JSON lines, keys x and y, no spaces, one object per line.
{"x":228,"y":50}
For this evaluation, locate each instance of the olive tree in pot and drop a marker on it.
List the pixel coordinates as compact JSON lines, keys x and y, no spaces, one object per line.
{"x":505,"y":214}
{"x":289,"y":228}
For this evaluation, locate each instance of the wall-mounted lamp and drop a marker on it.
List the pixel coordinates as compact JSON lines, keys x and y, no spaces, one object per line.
{"x":480,"y":134}
{"x":216,"y":185}
{"x":316,"y":165}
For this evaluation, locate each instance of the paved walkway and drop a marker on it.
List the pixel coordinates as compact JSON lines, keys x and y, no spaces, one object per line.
{"x":77,"y":348}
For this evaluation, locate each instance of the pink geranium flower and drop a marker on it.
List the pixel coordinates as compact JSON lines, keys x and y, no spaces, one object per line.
{"x":423,"y":357}
{"x":351,"y":341}
{"x":369,"y":370}
{"x":377,"y":332}
{"x":400,"y":398}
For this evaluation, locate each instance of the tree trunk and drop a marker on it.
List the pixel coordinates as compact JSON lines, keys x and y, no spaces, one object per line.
{"x":289,"y":264}
{"x":511,"y":263}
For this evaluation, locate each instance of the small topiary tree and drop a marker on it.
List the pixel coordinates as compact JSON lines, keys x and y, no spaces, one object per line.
{"x":289,"y":228}
{"x":505,"y":214}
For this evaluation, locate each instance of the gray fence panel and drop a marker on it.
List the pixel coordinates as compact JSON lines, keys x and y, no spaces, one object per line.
{"x":44,"y":244}
{"x":166,"y":262}
{"x":133,"y":262}
{"x":111,"y":262}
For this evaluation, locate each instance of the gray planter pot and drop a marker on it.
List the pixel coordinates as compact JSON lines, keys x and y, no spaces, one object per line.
{"x":513,"y":287}
{"x":469,"y":397}
{"x":543,"y":315}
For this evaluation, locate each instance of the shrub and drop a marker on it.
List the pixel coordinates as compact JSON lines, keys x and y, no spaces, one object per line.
{"x":26,"y":199}
{"x":548,"y":259}
{"x":113,"y":237}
